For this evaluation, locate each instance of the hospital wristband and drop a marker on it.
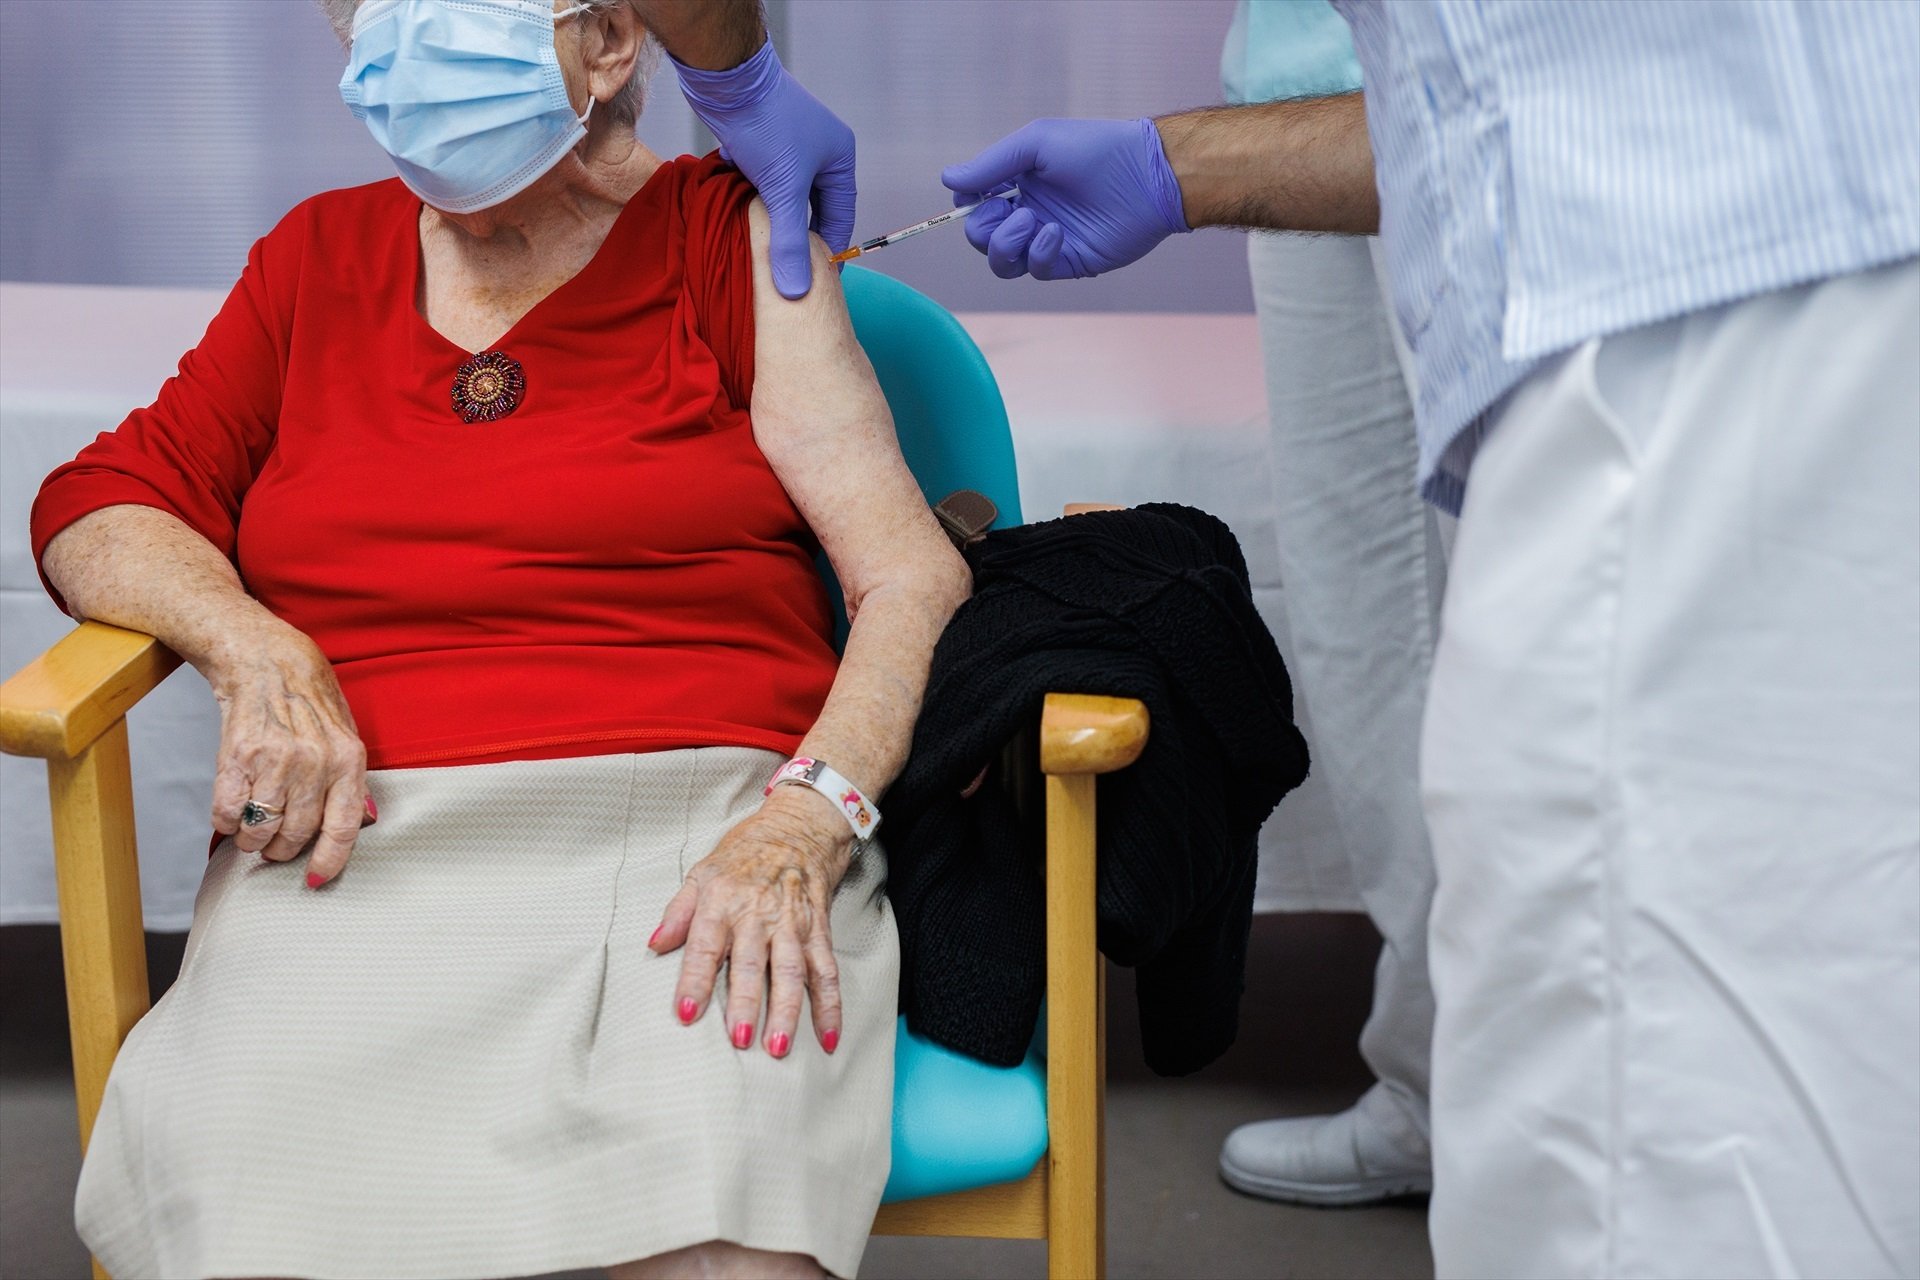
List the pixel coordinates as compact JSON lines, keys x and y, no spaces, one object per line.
{"x":860,"y":812}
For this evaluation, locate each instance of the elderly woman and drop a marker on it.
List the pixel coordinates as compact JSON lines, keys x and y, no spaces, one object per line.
{"x":488,"y":506}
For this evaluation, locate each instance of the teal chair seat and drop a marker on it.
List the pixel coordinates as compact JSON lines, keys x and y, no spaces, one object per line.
{"x":957,"y":1123}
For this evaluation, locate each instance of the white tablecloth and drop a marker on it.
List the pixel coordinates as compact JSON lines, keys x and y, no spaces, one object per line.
{"x":1116,"y":408}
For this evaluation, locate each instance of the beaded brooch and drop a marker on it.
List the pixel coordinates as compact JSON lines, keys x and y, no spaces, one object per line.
{"x":488,"y":387}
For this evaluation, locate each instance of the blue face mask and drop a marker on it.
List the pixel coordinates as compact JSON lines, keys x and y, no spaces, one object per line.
{"x":465,"y":95}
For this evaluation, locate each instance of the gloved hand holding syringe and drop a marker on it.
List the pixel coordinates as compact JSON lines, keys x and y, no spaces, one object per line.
{"x":907,"y":233}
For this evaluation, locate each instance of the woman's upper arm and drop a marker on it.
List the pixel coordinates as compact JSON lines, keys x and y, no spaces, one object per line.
{"x":822,"y":422}
{"x":196,"y":449}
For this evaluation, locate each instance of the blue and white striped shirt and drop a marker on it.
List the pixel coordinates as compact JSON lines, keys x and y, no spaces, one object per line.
{"x":1555,"y":170}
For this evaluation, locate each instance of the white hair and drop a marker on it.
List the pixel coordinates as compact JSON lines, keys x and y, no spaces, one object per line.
{"x":625,"y":105}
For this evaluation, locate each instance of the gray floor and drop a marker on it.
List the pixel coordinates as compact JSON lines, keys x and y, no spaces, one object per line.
{"x":1167,"y":1212}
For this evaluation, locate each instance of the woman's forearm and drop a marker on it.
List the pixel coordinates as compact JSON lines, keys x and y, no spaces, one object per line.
{"x":287,"y":739}
{"x":143,"y":569}
{"x":866,"y":727}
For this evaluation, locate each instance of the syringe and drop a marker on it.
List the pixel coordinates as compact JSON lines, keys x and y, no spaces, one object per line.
{"x":907,"y":233}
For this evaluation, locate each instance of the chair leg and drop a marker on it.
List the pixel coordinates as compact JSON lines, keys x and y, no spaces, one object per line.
{"x":1076,"y":1039}
{"x":101,"y":939}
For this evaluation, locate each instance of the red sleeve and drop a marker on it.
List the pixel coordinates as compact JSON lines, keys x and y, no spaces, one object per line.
{"x":194,"y":451}
{"x":719,"y":270}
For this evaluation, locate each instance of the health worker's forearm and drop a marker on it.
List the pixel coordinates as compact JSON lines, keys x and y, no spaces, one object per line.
{"x":713,"y":35}
{"x":1305,"y":165}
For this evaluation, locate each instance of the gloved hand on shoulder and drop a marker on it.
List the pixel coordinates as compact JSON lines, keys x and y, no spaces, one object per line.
{"x":789,"y":146}
{"x":1094,"y":195}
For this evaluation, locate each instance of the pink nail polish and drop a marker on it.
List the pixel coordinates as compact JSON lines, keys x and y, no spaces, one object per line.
{"x":742,"y":1034}
{"x":373,"y":810}
{"x":830,"y":1039}
{"x":688,"y":1009}
{"x":315,"y":879}
{"x":778,"y":1044}
{"x":655,"y":935}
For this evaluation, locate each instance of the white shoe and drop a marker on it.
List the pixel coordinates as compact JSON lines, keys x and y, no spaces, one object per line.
{"x":1321,"y":1160}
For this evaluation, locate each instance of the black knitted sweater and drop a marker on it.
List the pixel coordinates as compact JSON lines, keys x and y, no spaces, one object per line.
{"x":1150,"y":603}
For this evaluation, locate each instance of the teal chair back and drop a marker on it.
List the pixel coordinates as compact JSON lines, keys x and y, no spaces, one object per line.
{"x":957,"y":1123}
{"x":946,"y":406}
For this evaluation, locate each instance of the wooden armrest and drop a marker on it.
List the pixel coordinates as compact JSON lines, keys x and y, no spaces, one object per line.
{"x":58,"y":704}
{"x":1087,"y":733}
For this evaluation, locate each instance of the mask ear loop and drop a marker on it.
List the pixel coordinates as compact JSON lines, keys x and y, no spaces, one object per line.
{"x":576,"y":150}
{"x":558,"y":18}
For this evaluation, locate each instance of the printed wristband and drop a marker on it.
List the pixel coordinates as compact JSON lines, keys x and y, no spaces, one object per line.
{"x":805,"y":771}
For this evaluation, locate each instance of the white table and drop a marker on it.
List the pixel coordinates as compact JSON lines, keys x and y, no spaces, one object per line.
{"x":1115,"y":408}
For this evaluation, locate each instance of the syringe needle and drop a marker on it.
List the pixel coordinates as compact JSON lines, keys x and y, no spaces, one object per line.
{"x":905,"y":233}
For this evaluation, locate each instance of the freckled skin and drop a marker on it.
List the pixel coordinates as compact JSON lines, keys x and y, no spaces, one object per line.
{"x":759,"y":902}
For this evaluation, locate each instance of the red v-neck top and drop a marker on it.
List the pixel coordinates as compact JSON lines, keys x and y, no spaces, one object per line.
{"x":613,"y":567}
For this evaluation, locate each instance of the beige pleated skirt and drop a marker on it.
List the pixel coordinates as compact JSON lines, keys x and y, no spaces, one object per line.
{"x":460,"y":1059}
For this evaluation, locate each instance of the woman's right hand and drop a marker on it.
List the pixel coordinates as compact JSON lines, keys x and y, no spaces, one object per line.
{"x":287,"y":742}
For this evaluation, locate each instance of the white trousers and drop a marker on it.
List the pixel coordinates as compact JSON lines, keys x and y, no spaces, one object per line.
{"x":1672,"y":774}
{"x":1362,"y":571}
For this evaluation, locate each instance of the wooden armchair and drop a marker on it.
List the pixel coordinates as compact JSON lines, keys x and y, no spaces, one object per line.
{"x":69,"y":707}
{"x":1063,"y":1200}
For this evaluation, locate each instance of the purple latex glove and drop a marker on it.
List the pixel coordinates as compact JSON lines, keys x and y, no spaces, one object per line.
{"x":1094,"y":195}
{"x":790,"y":147}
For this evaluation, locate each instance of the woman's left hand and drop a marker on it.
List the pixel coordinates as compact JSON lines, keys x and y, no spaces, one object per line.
{"x":760,"y":903}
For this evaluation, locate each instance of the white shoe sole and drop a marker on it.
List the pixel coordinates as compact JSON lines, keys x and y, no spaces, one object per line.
{"x":1327,"y":1195}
